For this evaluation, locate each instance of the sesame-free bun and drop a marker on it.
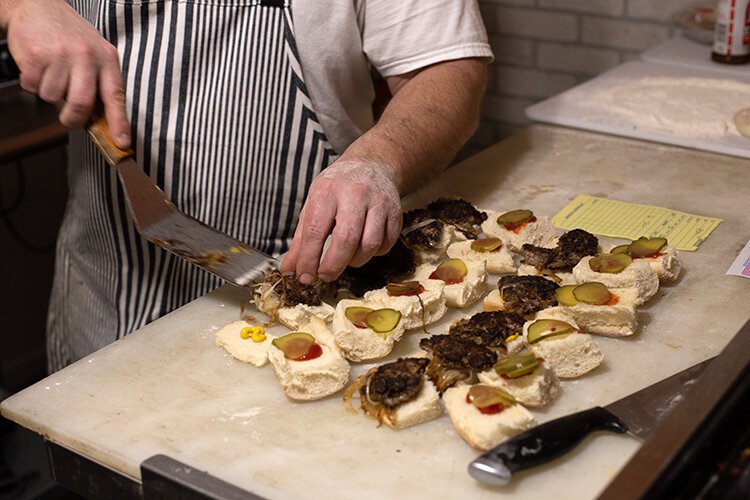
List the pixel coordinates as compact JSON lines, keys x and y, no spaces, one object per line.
{"x":314,"y":378}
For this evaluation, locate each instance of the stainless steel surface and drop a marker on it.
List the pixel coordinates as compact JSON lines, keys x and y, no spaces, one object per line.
{"x":643,"y":410}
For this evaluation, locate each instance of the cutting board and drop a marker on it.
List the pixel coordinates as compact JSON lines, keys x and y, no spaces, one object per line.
{"x":577,"y":107}
{"x":686,"y":53}
{"x":168,"y":389}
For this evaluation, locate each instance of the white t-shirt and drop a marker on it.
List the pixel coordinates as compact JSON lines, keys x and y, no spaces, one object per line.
{"x":394,"y":36}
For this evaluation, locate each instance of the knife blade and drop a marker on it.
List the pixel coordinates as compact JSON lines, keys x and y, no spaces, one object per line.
{"x":637,"y":414}
{"x":161,"y":223}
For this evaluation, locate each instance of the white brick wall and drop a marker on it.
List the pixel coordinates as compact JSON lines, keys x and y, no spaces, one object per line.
{"x":535,"y":23}
{"x":543,"y":47}
{"x":619,"y":34}
{"x":607,"y":7}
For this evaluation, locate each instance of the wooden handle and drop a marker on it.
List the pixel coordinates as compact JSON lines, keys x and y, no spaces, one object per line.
{"x":100,"y":134}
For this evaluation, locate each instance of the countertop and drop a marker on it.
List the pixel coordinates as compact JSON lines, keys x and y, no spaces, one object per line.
{"x":167,"y":388}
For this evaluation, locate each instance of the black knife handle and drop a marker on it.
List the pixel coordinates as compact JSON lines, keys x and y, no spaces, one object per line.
{"x":541,"y":444}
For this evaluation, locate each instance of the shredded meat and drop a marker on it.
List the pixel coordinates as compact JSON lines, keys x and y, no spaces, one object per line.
{"x":571,"y":248}
{"x":455,"y":359}
{"x":459,"y":213}
{"x":397,"y":382}
{"x":489,"y":329}
{"x":535,"y":256}
{"x":398,"y":263}
{"x":527,"y":294}
{"x":423,"y":237}
{"x":290,"y":291}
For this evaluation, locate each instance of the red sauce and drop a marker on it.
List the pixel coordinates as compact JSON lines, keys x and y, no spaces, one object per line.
{"x":449,"y":281}
{"x":653,"y":256}
{"x":363,"y":327}
{"x":487,"y":410}
{"x":313,"y":352}
{"x":419,"y":290}
{"x":517,"y":227}
{"x":613,"y":299}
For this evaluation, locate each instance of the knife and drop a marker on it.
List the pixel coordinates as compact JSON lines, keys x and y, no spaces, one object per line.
{"x":637,"y":414}
{"x":161,"y":223}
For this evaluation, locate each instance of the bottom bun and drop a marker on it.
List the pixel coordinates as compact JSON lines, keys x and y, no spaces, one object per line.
{"x":481,"y":431}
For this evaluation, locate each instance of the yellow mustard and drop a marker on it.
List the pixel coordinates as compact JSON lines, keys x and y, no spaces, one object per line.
{"x":254,"y":333}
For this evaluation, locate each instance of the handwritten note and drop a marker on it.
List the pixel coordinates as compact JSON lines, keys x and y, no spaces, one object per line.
{"x":620,"y":219}
{"x":741,"y":265}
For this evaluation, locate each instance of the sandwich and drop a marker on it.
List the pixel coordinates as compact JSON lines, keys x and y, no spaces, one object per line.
{"x":246,"y":342}
{"x":485,"y":416}
{"x":555,"y":337}
{"x":518,"y":227}
{"x":397,"y":394}
{"x":366,"y":330}
{"x":465,"y":281}
{"x":420,"y":303}
{"x":525,"y":377}
{"x":308,"y":363}
{"x":294,"y":304}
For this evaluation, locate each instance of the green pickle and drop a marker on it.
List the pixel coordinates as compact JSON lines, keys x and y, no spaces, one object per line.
{"x":517,"y":365}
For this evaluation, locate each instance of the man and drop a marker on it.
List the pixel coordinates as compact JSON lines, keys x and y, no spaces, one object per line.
{"x":236,"y":108}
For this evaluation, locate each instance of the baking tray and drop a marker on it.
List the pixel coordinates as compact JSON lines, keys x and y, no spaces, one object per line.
{"x":573,"y":108}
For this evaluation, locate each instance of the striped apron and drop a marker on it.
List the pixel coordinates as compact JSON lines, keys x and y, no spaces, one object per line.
{"x":221,"y":120}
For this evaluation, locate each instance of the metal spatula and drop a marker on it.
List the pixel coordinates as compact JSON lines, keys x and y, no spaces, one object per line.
{"x":161,"y":223}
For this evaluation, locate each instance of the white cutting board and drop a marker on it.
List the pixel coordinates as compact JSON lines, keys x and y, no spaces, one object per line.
{"x":577,"y":108}
{"x":686,"y":53}
{"x":168,"y":389}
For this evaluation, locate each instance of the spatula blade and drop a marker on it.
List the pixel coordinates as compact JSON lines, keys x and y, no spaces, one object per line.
{"x":161,"y":223}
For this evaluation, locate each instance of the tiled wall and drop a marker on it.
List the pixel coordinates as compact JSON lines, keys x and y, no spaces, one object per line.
{"x":543,"y":47}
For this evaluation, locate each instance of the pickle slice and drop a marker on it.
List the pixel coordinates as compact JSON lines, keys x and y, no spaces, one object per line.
{"x":620,"y":249}
{"x":357,"y":315}
{"x":564,"y":295}
{"x":383,"y":320}
{"x":593,"y":293}
{"x":518,"y":365}
{"x":545,"y":329}
{"x":482,"y":396}
{"x":451,"y":271}
{"x":610,"y":263}
{"x":646,"y":247}
{"x":515,"y":217}
{"x":403,"y":288}
{"x":294,"y":345}
{"x":486,"y":244}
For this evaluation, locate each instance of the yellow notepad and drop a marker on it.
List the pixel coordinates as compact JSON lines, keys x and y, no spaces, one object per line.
{"x":630,"y":220}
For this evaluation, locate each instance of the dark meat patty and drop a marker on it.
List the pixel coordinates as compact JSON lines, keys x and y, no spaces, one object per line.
{"x":397,"y":382}
{"x":489,"y":329}
{"x":455,"y":359}
{"x":399,"y":262}
{"x":459,"y":213}
{"x":424,"y":237}
{"x":291,"y":291}
{"x":456,"y":353}
{"x":571,"y":248}
{"x":527,"y":294}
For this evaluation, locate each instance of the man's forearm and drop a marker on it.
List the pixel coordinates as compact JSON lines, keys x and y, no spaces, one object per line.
{"x":429,"y":118}
{"x":6,"y":7}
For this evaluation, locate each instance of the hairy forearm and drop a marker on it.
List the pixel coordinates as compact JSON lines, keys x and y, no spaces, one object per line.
{"x":429,"y":118}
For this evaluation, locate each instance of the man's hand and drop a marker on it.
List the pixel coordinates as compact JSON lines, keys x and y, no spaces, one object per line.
{"x":65,"y":60}
{"x":433,"y":112}
{"x":358,"y":203}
